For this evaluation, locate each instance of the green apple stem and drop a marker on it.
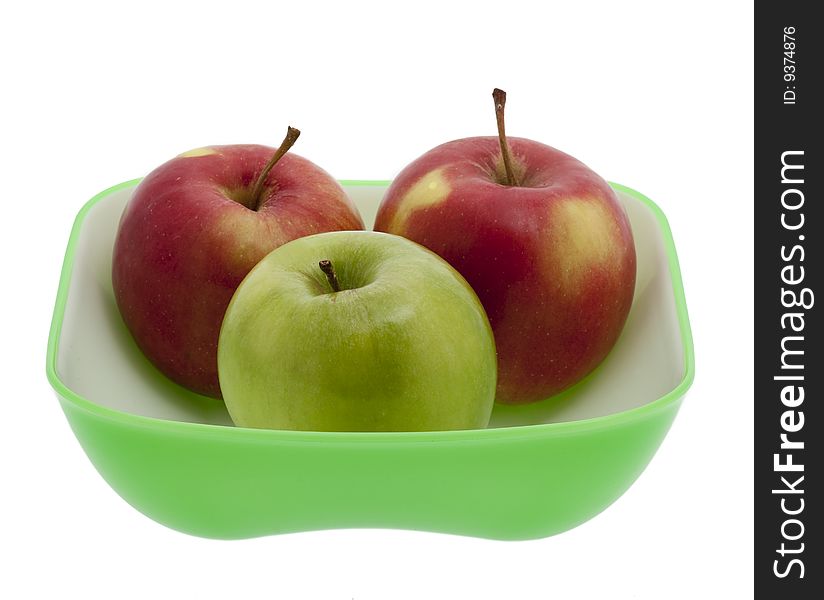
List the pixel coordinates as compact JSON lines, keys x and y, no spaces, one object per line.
{"x":329,"y":271}
{"x":289,"y":141}
{"x":499,"y":96}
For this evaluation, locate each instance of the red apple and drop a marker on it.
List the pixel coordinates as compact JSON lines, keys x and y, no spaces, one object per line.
{"x":195,"y":227}
{"x":541,"y":238}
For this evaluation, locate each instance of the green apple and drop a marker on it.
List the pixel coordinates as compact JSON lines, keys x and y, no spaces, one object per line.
{"x":356,"y":331}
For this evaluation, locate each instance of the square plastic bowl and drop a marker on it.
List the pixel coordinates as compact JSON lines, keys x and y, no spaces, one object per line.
{"x":536,"y":471}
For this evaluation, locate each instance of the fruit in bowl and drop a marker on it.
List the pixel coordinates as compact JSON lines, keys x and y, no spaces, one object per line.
{"x":541,"y":238}
{"x":356,"y":331}
{"x":194,"y":228}
{"x":535,"y":471}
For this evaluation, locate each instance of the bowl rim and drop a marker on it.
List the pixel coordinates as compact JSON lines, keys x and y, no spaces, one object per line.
{"x":269,"y":435}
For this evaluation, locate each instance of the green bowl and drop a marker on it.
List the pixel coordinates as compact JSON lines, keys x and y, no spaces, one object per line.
{"x":536,"y":471}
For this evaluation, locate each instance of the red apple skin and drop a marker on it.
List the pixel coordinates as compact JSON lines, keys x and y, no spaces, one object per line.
{"x":552,"y":260}
{"x":185,"y":242}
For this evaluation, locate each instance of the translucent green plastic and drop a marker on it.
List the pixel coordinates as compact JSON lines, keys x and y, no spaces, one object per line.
{"x":537,"y":471}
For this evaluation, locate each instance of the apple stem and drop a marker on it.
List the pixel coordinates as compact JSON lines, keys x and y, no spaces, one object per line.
{"x":289,"y":141}
{"x":329,"y":271}
{"x":499,"y":96}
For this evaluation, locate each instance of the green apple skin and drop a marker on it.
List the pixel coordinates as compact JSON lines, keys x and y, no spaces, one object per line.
{"x":405,"y":345}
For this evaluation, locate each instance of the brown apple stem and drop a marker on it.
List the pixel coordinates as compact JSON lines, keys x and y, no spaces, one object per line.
{"x":499,"y":96}
{"x":289,"y":141}
{"x":329,"y":271}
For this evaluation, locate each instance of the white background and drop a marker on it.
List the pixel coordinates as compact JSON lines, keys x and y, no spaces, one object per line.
{"x":654,"y":95}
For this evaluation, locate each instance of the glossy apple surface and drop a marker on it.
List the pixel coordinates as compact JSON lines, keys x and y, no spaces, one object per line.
{"x":404,"y":345}
{"x":192,"y":231}
{"x":552,"y":258}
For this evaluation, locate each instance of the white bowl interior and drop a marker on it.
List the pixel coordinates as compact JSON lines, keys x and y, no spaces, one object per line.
{"x":98,"y":360}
